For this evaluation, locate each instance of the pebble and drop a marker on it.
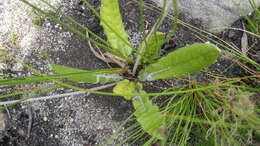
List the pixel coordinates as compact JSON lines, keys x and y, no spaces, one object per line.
{"x":232,"y":34}
{"x":45,"y":119}
{"x":21,"y":132}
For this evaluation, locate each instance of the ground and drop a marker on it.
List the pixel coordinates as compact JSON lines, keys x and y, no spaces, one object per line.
{"x":87,"y":119}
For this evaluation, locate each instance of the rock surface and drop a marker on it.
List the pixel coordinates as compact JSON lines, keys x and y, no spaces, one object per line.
{"x":214,"y":13}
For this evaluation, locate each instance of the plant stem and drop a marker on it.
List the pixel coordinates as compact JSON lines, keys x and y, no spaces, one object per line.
{"x":153,"y":30}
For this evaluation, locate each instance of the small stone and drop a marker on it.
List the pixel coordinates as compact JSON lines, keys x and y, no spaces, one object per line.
{"x":3,"y":66}
{"x":17,"y":67}
{"x":45,"y":119}
{"x":21,"y":132}
{"x":232,"y":34}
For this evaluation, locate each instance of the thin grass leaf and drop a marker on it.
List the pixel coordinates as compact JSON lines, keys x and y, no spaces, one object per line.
{"x":149,"y":117}
{"x":46,"y":90}
{"x":110,"y":13}
{"x":201,"y":135}
{"x":22,"y":92}
{"x":59,"y":11}
{"x":72,"y":29}
{"x":182,"y":62}
{"x":25,"y":80}
{"x":37,"y":79}
{"x":149,"y":142}
{"x":154,"y":29}
{"x":68,"y":73}
{"x":254,"y":21}
{"x":98,"y":76}
{"x":175,"y":12}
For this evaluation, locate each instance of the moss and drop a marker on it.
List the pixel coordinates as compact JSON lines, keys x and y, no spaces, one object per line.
{"x":37,"y":19}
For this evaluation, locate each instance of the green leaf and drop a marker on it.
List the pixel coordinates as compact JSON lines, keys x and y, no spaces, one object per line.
{"x":110,"y":15}
{"x":182,"y":62}
{"x":153,"y":48}
{"x":125,"y":87}
{"x":149,"y":116}
{"x":96,"y":76}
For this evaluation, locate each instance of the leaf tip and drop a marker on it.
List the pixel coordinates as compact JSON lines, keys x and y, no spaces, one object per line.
{"x":216,"y":47}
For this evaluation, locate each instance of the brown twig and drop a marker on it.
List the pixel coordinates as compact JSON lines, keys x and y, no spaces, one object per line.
{"x":59,"y":95}
{"x":106,"y":57}
{"x":95,"y":52}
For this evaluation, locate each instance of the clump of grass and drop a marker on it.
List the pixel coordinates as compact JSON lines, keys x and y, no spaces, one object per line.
{"x":225,"y":115}
{"x":253,"y":22}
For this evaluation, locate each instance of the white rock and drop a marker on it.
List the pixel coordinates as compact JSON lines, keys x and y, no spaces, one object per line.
{"x":214,"y":13}
{"x":2,"y":66}
{"x":45,"y":119}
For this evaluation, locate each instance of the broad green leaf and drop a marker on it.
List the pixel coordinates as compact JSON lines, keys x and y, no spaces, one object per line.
{"x":125,"y":87}
{"x":149,"y":117}
{"x":97,"y":76}
{"x":182,"y":62}
{"x":147,"y":114}
{"x":110,"y":14}
{"x":153,"y":48}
